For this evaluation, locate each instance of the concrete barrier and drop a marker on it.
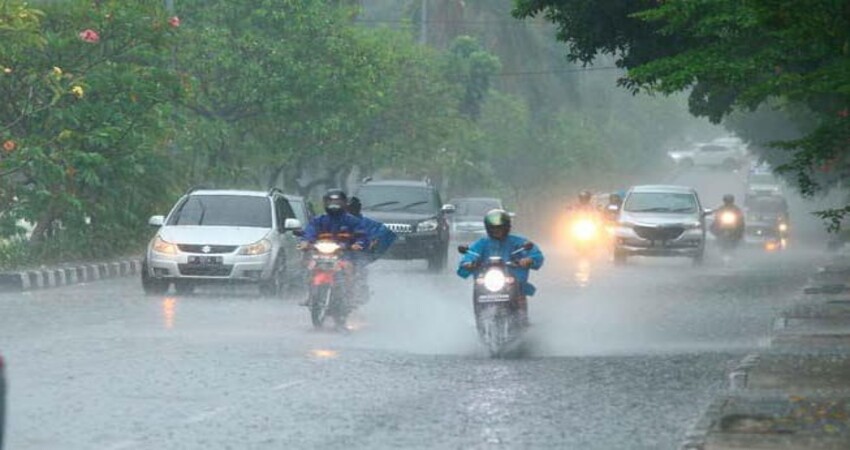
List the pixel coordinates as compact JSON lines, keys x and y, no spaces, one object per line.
{"x":67,"y":275}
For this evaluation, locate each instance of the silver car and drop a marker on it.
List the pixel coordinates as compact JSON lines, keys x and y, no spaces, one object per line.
{"x":660,"y":221}
{"x":224,"y":236}
{"x":467,"y":222}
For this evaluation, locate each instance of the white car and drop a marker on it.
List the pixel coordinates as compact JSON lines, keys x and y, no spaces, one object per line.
{"x":224,"y":236}
{"x":717,"y":154}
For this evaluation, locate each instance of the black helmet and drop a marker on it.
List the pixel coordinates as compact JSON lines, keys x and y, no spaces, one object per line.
{"x":584,"y":197}
{"x":354,"y":206}
{"x":497,"y":219}
{"x":728,"y":199}
{"x":335,"y":201}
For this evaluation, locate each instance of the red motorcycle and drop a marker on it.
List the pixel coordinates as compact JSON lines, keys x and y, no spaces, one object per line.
{"x":331,"y":281}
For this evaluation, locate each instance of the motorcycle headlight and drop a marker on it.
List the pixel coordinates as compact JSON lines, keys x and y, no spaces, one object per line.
{"x":728,"y":218}
{"x":494,"y":280}
{"x":783,"y":227}
{"x":160,"y":245}
{"x":327,"y":248}
{"x":257,"y":248}
{"x":428,"y":225}
{"x":584,"y":230}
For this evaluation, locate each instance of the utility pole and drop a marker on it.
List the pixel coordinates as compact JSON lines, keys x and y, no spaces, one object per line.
{"x":423,"y":24}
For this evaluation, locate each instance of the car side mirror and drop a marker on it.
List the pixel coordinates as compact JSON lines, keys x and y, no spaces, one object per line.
{"x":707,"y":212}
{"x":511,"y":214}
{"x":448,"y":209}
{"x":291,"y":225}
{"x":462,"y":249}
{"x":156,"y":221}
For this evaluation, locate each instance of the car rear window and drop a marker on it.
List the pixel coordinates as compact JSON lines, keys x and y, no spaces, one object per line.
{"x":223,"y":211}
{"x":398,"y":198}
{"x":661,"y":202}
{"x":478,"y":207}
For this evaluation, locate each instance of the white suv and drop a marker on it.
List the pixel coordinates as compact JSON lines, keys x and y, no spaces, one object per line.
{"x":223,"y":235}
{"x":716,"y":154}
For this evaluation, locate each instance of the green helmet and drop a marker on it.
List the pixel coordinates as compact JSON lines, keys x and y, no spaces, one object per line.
{"x":497,"y":218}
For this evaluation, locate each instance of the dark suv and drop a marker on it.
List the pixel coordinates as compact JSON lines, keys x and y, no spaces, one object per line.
{"x":414,"y":211}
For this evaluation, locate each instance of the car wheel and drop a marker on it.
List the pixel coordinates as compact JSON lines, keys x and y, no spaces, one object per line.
{"x":620,"y":257}
{"x":438,"y":261}
{"x":275,"y":286}
{"x":152,"y":286}
{"x":184,"y":287}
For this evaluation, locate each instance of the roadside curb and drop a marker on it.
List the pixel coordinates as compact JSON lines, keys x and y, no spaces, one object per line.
{"x":29,"y":280}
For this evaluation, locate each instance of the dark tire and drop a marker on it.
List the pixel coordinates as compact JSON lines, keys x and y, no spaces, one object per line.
{"x":620,"y":257}
{"x":275,"y":287}
{"x":184,"y":287}
{"x":152,"y":286}
{"x":437,"y":262}
{"x":320,"y":303}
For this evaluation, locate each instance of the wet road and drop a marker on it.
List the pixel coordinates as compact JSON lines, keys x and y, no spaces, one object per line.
{"x":617,"y":358}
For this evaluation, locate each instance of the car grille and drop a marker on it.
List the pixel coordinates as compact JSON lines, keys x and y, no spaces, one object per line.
{"x":659,"y":233}
{"x":205,"y":271}
{"x":400,"y":227}
{"x":213,"y":249}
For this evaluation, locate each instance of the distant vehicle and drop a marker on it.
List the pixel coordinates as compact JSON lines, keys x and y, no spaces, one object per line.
{"x":414,"y":211}
{"x":660,"y":221}
{"x":467,"y":222}
{"x":224,"y":236}
{"x":767,"y":220}
{"x":716,"y":154}
{"x":763,"y":182}
{"x":2,"y":400}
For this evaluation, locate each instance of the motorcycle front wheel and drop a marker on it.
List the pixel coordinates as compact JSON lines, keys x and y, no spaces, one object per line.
{"x":319,"y":305}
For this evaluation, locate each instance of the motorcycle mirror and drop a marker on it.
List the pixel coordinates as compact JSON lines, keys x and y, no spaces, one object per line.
{"x":462,"y":249}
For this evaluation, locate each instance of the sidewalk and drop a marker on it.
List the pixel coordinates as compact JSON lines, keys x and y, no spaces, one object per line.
{"x":65,"y":275}
{"x":795,"y":394}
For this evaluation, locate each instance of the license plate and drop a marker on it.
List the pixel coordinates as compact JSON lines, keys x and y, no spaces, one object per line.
{"x":494,"y":298}
{"x":205,"y":260}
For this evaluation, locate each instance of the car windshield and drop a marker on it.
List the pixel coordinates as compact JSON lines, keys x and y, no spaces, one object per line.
{"x":661,"y":202}
{"x":763,"y":178}
{"x":768,"y":205}
{"x":475,"y":207}
{"x":397,"y":198}
{"x":223,"y":211}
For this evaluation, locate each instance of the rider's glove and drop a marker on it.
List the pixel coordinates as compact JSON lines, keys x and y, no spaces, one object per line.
{"x":526,"y":262}
{"x":303,"y":246}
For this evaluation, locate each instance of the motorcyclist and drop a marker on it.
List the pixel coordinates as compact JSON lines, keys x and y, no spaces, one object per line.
{"x":344,"y":227}
{"x":499,"y":242}
{"x":729,"y":206}
{"x":584,"y":203}
{"x":612,"y":210}
{"x":380,"y":239}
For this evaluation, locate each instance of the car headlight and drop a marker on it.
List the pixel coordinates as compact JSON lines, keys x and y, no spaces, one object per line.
{"x":783,"y":227}
{"x":494,"y":280}
{"x":160,"y":245}
{"x":257,"y":248}
{"x":428,"y":225}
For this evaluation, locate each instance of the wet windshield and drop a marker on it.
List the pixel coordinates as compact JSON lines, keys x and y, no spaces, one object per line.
{"x":224,"y":211}
{"x":661,"y":202}
{"x":397,"y":198}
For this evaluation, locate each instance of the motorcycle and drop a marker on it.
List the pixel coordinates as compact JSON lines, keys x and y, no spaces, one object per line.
{"x":331,"y":280}
{"x":586,"y":232}
{"x":495,"y":300}
{"x":727,"y":228}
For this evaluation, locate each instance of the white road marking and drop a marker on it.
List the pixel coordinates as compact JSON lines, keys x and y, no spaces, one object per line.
{"x":289,"y":384}
{"x":206,"y":415}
